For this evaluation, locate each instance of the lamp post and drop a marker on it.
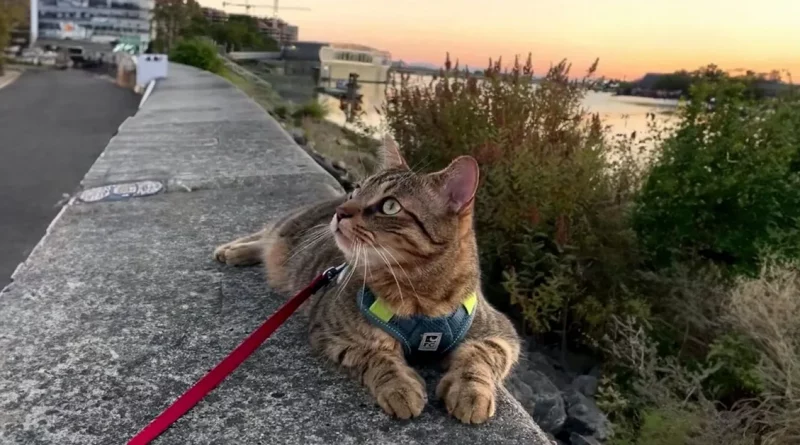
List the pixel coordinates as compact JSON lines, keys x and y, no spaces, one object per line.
{"x":34,"y":31}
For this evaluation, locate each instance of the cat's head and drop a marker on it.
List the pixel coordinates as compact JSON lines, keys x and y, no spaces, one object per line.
{"x":399,"y":216}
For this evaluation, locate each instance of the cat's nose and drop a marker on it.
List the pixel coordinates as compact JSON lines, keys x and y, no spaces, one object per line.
{"x":342,"y":212}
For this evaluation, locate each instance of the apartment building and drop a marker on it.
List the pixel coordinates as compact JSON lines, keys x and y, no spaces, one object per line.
{"x":215,"y":15}
{"x":279,"y":30}
{"x":98,"y":21}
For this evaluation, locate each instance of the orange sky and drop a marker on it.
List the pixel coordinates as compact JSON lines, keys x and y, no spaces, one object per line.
{"x":630,"y":37}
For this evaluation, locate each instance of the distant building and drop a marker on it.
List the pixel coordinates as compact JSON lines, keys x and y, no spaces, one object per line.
{"x":98,"y":21}
{"x":279,"y":30}
{"x":333,"y":62}
{"x":215,"y":15}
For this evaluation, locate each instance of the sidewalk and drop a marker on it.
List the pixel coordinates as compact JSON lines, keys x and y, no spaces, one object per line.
{"x":120,"y":308}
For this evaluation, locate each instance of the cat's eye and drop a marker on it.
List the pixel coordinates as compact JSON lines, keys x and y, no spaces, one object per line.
{"x":390,"y":206}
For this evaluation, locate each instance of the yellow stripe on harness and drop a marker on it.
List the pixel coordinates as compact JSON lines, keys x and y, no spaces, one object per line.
{"x":382,"y":311}
{"x":470,"y":302}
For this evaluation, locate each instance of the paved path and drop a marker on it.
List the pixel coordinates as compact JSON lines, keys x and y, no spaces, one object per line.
{"x":53,"y":125}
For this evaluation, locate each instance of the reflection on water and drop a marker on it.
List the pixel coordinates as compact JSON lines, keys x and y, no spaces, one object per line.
{"x":623,"y":114}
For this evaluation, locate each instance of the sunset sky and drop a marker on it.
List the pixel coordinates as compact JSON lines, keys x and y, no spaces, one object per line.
{"x":630,"y":37}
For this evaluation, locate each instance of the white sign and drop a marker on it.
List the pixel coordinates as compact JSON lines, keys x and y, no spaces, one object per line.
{"x":149,"y":67}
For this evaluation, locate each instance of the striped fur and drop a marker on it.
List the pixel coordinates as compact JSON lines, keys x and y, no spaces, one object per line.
{"x":421,"y":260}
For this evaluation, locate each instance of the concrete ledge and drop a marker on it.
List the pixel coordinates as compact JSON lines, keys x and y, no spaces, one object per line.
{"x":120,"y":308}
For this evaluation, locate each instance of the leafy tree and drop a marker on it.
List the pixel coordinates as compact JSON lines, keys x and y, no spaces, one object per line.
{"x":170,"y":19}
{"x":184,"y":19}
{"x":726,"y":184}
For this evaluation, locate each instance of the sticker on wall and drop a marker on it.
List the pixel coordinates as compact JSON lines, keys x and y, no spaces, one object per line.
{"x":118,"y":192}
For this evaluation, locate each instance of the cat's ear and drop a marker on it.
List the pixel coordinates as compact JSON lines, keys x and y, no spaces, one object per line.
{"x":390,"y":154}
{"x":459,"y":182}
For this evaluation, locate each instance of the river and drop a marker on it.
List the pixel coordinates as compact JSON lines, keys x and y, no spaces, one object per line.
{"x":623,"y":114}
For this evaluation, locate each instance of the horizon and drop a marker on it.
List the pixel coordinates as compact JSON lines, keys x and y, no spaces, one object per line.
{"x":630,"y":40}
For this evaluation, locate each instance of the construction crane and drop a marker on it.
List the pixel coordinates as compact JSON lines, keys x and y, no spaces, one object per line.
{"x":275,"y":8}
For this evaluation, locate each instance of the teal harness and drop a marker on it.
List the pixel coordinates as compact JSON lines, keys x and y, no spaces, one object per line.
{"x":419,"y":335}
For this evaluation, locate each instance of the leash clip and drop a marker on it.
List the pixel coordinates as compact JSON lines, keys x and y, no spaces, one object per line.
{"x":331,"y":273}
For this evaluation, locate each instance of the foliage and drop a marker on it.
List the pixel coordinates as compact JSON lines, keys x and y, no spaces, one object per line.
{"x":756,"y":84}
{"x":170,"y":20}
{"x":736,"y":361}
{"x":184,"y":19}
{"x":311,"y":109}
{"x":662,"y":426}
{"x":679,"y":80}
{"x":753,"y":364}
{"x":667,"y":402}
{"x":240,"y":33}
{"x":725,"y":184}
{"x":12,"y":13}
{"x":551,"y":212}
{"x":281,"y":111}
{"x":199,"y":53}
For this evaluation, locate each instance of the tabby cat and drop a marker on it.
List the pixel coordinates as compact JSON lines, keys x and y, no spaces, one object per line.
{"x":409,"y":244}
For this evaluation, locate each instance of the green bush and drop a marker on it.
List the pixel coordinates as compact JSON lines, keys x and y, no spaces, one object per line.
{"x":311,"y":109}
{"x":736,"y":362}
{"x":551,"y":211}
{"x":197,"y":52}
{"x":281,"y":111}
{"x":727,"y":182}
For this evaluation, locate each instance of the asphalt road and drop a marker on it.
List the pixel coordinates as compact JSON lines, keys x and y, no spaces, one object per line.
{"x":53,"y":125}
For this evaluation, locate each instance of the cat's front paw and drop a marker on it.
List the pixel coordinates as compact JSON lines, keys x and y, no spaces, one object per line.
{"x":237,"y":254}
{"x":403,"y":397}
{"x":468,"y":400}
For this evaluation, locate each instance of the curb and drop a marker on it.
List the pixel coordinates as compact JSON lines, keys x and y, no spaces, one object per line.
{"x":149,"y":90}
{"x":12,"y":76}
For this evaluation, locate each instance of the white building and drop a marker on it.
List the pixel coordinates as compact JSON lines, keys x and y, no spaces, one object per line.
{"x":98,"y":21}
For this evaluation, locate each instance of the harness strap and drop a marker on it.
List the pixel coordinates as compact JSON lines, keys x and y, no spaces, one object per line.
{"x":419,"y":334}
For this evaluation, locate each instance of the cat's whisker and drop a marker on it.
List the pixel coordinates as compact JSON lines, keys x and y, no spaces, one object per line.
{"x":313,"y":236}
{"x":307,"y":245}
{"x":402,"y":269}
{"x":349,"y":276}
{"x":391,"y":270}
{"x":366,"y":269}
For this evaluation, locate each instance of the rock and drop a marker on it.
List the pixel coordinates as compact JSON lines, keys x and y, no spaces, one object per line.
{"x":542,"y":363}
{"x":299,"y":136}
{"x":585,"y":384}
{"x":343,"y":142}
{"x":577,"y":439}
{"x":540,"y":397}
{"x":553,"y":440}
{"x":584,"y":417}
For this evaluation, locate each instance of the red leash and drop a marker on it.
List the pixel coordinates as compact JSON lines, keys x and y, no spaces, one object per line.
{"x":214,"y":377}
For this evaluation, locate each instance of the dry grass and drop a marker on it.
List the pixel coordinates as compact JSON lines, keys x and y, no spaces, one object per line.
{"x":767,"y":310}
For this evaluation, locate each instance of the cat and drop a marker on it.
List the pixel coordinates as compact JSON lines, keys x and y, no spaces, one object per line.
{"x":409,"y":243}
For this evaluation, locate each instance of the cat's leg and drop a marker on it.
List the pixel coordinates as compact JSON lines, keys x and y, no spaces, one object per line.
{"x":382,"y":369}
{"x":245,"y":251}
{"x":477,"y":368}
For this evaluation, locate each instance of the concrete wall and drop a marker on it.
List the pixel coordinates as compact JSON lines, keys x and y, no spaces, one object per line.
{"x":120,"y":308}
